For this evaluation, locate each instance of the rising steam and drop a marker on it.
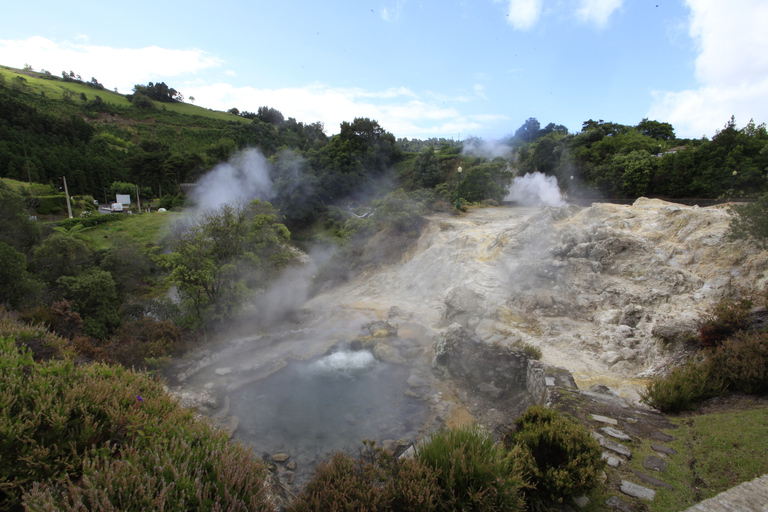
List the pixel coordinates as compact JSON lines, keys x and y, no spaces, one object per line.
{"x":535,"y":189}
{"x":245,"y":176}
{"x":489,"y":149}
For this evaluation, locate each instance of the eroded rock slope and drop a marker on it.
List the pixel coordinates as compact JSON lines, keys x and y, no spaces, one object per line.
{"x":603,"y":291}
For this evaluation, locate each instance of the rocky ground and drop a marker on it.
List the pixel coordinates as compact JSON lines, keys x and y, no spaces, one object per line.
{"x":610,"y":293}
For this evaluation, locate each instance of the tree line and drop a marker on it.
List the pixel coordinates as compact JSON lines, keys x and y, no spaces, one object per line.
{"x":619,"y":161}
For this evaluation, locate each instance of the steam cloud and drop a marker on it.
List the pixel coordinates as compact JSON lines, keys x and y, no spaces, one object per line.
{"x":245,"y":176}
{"x":535,"y":189}
{"x":489,"y":149}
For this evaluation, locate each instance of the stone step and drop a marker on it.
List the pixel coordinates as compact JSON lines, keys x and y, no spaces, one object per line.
{"x":648,"y":479}
{"x":612,"y":445}
{"x":617,"y":503}
{"x":612,"y":461}
{"x":666,"y":450}
{"x":618,"y":434}
{"x":662,"y":437}
{"x":655,"y":464}
{"x":604,"y":419}
{"x":637,"y":491}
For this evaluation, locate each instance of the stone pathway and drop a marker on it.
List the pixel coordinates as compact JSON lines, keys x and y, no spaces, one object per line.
{"x":617,"y":427}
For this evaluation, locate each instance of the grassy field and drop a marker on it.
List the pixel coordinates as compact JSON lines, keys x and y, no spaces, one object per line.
{"x":54,"y":89}
{"x":148,"y":229}
{"x":14,"y":184}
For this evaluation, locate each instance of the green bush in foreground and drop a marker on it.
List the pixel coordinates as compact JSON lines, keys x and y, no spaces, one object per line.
{"x":99,"y":437}
{"x":473,"y":472}
{"x":566,"y":460}
{"x":548,"y":459}
{"x":376,"y":482}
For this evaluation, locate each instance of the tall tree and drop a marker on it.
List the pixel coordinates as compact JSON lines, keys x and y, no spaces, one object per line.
{"x":426,"y":170}
{"x":222,"y":255}
{"x":656,"y":129}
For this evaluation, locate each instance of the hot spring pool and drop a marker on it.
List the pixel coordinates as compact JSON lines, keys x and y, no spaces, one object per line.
{"x":310,"y":410}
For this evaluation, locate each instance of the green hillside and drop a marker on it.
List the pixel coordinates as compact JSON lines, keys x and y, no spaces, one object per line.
{"x":53,"y":87}
{"x":53,"y":126}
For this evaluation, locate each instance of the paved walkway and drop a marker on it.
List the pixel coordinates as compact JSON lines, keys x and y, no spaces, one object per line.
{"x":747,"y":497}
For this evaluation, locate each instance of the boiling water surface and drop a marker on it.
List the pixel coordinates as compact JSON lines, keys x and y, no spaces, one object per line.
{"x":310,"y":410}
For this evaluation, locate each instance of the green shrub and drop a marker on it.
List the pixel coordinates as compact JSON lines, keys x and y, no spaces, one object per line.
{"x":533,"y":352}
{"x":166,"y":202}
{"x":49,"y":205}
{"x":473,"y":472}
{"x":741,"y":363}
{"x":683,"y":388}
{"x":143,"y":339}
{"x":179,"y":201}
{"x":89,"y":221}
{"x":567,"y":461}
{"x":442,"y":206}
{"x":728,"y":318}
{"x":376,"y":482}
{"x":100,"y":437}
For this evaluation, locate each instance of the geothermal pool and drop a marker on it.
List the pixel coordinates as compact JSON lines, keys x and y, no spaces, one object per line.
{"x":311,"y":409}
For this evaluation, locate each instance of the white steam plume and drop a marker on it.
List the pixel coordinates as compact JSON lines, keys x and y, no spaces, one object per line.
{"x":490,"y":149}
{"x":245,"y":176}
{"x":535,"y":189}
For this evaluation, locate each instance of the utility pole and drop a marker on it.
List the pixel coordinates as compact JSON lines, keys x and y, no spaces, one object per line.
{"x":138,"y":200}
{"x":66,"y":192}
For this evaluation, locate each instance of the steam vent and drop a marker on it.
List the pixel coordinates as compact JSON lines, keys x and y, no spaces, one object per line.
{"x":476,"y":321}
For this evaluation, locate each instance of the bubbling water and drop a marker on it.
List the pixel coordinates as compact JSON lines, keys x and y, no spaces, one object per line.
{"x":344,"y":363}
{"x":312,"y":409}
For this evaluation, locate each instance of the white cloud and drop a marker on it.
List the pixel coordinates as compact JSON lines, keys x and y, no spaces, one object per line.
{"x":392,"y":14}
{"x":114,"y":67}
{"x":523,"y":14}
{"x":732,"y":38}
{"x":597,"y":11}
{"x":398,"y":110}
{"x":731,"y":68}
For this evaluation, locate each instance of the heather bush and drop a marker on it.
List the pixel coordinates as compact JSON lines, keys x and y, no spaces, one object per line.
{"x":37,"y":338}
{"x":473,"y":472}
{"x":100,"y":437}
{"x":58,"y":317}
{"x":377,"y":481}
{"x":566,"y":460}
{"x":741,"y":363}
{"x":140,"y":340}
{"x":683,"y":388}
{"x":728,"y":318}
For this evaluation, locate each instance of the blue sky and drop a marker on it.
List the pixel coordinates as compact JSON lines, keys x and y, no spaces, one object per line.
{"x":420,"y":68}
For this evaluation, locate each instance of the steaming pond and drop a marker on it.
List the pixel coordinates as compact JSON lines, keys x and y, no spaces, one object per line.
{"x":312,"y":409}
